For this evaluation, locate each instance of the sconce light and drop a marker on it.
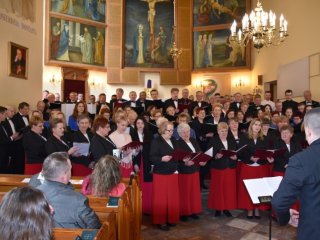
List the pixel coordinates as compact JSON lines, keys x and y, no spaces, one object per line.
{"x":94,"y":83}
{"x":240,"y":83}
{"x":148,"y":88}
{"x":54,"y":80}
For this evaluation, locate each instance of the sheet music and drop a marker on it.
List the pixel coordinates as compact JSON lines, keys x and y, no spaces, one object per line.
{"x":83,"y":148}
{"x":209,"y":152}
{"x":92,"y":108}
{"x":259,"y":187}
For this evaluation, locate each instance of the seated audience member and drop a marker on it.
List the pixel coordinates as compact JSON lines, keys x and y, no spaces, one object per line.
{"x":71,"y":208}
{"x":79,"y":109}
{"x":34,"y":143}
{"x":105,"y":179}
{"x":25,"y":214}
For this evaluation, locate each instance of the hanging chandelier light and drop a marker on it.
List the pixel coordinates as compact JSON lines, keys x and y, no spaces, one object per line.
{"x":260,"y":27}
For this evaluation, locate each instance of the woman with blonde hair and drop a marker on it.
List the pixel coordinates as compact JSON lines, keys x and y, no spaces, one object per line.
{"x":121,"y":138}
{"x":252,"y":166}
{"x":105,"y":179}
{"x":223,"y":191}
{"x":165,"y":197}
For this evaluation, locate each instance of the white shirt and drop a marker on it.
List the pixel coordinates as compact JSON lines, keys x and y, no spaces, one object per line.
{"x":191,"y":147}
{"x":272,"y":104}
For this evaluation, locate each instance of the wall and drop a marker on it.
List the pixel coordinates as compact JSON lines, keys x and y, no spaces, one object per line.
{"x":28,"y":34}
{"x":304,"y":38}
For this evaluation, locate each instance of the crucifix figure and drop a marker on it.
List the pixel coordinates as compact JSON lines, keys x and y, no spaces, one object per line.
{"x":151,"y":16}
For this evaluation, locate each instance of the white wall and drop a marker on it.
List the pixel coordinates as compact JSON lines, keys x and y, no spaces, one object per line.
{"x":14,"y":90}
{"x":304,"y":37}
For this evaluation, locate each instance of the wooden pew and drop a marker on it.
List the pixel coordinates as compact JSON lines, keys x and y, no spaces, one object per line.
{"x":133,"y":201}
{"x":106,"y":232}
{"x":124,"y":214}
{"x":9,"y":181}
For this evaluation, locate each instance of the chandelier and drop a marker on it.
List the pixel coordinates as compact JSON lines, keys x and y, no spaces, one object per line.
{"x":260,"y":27}
{"x":174,"y":50}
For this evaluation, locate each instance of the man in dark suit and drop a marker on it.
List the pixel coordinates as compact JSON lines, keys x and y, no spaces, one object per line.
{"x":236,"y":105}
{"x":289,"y":102}
{"x":142,"y":101}
{"x":6,"y":140}
{"x":155,"y":101}
{"x":21,"y":122}
{"x":118,"y":101}
{"x":101,"y":102}
{"x":308,"y":99}
{"x":302,"y":182}
{"x":173,"y":101}
{"x":253,"y":109}
{"x":199,"y":103}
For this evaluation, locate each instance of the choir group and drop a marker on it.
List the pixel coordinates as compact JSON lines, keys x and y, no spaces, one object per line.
{"x":232,"y":130}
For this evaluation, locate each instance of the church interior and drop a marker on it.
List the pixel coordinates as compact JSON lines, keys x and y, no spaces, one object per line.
{"x":97,"y":46}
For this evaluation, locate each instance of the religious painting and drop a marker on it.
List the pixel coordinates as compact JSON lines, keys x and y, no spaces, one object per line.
{"x":18,"y":61}
{"x":207,"y":12}
{"x":148,"y":33}
{"x":213,"y":50}
{"x":75,"y":42}
{"x":94,"y":10}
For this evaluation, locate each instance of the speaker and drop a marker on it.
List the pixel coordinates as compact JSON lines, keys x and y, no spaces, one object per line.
{"x":260,"y":80}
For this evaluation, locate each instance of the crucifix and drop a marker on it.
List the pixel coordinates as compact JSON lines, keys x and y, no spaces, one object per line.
{"x":151,"y":16}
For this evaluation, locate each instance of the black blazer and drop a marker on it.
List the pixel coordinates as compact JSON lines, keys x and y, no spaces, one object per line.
{"x":169,"y":102}
{"x":286,"y":104}
{"x":7,"y":126}
{"x":281,"y":161}
{"x":184,"y":146}
{"x":314,"y":104}
{"x":55,"y":145}
{"x":194,"y":104}
{"x":34,"y":147}
{"x":157,"y":103}
{"x":159,"y":148}
{"x":5,"y":142}
{"x":101,"y":146}
{"x":200,"y":134}
{"x":224,"y":162}
{"x":18,"y":122}
{"x":301,"y":181}
{"x":249,"y":151}
{"x":80,"y":138}
{"x":234,"y":106}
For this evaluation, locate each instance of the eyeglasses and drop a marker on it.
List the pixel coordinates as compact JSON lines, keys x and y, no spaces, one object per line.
{"x":169,"y":130}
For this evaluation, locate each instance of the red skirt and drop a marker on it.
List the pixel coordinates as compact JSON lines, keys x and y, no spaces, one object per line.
{"x":126,"y":172}
{"x":80,"y":170}
{"x":223,"y":189}
{"x":165,"y":199}
{"x":146,"y":188}
{"x":32,"y":168}
{"x":276,"y":174}
{"x":250,"y":172}
{"x":190,"y":195}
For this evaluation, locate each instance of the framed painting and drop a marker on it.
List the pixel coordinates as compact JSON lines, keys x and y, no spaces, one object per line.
{"x":206,"y":12}
{"x":213,"y":50}
{"x":18,"y":61}
{"x":148,"y":33}
{"x":76,"y":43}
{"x":94,"y":10}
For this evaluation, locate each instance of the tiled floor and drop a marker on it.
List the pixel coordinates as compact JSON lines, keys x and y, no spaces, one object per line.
{"x":209,"y":227}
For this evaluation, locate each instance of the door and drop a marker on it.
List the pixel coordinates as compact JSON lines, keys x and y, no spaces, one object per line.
{"x":77,"y":86}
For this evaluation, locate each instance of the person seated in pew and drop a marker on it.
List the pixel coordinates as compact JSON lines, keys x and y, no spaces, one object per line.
{"x":25,"y":214}
{"x":71,"y":208}
{"x":105,"y":179}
